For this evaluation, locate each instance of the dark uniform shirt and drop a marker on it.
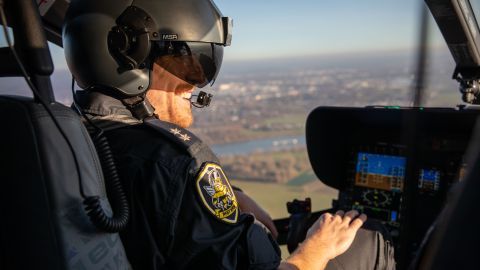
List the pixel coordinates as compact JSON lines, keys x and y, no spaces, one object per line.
{"x":174,"y":222}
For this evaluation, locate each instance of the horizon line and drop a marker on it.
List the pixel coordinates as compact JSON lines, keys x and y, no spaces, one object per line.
{"x":341,"y":54}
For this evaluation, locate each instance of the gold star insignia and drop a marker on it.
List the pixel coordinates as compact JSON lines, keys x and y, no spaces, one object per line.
{"x":175,"y":131}
{"x":184,"y":137}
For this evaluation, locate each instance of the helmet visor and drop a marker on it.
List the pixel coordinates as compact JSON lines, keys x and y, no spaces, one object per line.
{"x":196,"y":63}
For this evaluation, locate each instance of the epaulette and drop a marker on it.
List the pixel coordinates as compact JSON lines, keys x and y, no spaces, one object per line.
{"x":185,"y":139}
{"x":212,"y":185}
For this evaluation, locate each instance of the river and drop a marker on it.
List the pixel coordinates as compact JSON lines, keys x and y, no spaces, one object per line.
{"x":262,"y":145}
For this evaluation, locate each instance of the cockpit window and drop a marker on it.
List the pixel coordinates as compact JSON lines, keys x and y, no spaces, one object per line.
{"x":12,"y":86}
{"x":476,"y":9}
{"x":61,"y":77}
{"x":286,"y":59}
{"x":289,"y":58}
{"x":3,"y":41}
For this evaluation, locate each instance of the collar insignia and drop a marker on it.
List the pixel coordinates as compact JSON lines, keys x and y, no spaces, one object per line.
{"x":175,"y":131}
{"x":216,"y":193}
{"x":178,"y":133}
{"x":185,"y":137}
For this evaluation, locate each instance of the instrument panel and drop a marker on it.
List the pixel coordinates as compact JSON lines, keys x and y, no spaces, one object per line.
{"x":378,"y":185}
{"x":395,"y":174}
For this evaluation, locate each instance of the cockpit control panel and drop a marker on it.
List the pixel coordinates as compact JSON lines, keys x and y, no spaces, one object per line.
{"x":378,"y":180}
{"x":368,"y":155}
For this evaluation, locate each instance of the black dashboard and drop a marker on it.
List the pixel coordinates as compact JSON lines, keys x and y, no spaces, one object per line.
{"x":394,"y":164}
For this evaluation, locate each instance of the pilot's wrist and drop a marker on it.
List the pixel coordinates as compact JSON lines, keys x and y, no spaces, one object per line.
{"x":307,"y":256}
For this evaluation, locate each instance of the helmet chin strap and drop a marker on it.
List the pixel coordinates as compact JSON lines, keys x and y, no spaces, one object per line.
{"x":203,"y":100}
{"x":139,"y":106}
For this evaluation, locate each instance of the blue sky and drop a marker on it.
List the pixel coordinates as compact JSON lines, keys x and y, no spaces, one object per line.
{"x":287,"y":28}
{"x":476,"y":8}
{"x":276,"y":28}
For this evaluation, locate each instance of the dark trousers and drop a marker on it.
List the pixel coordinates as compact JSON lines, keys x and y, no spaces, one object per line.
{"x":371,"y":250}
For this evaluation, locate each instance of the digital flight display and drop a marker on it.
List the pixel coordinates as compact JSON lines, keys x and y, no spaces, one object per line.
{"x":377,"y":171}
{"x":429,"y":180}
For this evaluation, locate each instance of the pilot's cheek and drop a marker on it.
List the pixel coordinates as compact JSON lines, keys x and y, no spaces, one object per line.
{"x":196,"y":73}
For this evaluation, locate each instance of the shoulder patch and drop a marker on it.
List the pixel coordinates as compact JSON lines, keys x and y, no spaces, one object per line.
{"x":216,"y":193}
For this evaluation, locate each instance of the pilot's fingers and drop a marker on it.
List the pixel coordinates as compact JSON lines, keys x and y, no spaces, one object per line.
{"x":338,"y":217}
{"x":326,"y":217}
{"x":349,"y":216}
{"x":358,"y":222}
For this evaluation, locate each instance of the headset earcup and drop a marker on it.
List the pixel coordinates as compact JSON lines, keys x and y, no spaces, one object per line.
{"x":129,"y":50}
{"x":119,"y":43}
{"x":140,"y":49}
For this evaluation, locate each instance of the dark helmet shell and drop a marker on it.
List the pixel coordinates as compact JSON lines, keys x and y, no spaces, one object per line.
{"x":89,"y":22}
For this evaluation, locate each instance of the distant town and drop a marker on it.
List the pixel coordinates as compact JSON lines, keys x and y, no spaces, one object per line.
{"x":269,"y":101}
{"x":272,"y":99}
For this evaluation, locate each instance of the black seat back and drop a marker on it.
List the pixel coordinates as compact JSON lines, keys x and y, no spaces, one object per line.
{"x":46,"y":171}
{"x":44,"y":225}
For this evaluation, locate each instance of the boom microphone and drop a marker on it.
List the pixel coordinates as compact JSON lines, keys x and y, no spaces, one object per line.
{"x":203,"y":100}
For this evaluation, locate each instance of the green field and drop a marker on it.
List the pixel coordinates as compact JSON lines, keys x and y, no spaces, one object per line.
{"x":293,"y":119}
{"x":287,"y":118}
{"x":273,"y":197}
{"x":304,"y":178}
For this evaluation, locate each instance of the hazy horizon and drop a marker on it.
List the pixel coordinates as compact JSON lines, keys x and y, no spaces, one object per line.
{"x":399,"y":61}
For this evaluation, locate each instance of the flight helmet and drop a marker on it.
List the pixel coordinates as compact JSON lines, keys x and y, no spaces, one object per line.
{"x":112,"y":44}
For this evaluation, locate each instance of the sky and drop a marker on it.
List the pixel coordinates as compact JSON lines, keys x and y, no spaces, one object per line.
{"x":476,"y":7}
{"x":284,"y":28}
{"x":266,"y":29}
{"x":279,"y":29}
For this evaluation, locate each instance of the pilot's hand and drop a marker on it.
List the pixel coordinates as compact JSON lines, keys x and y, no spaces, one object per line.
{"x":330,"y":236}
{"x":248,"y":205}
{"x":335,"y":233}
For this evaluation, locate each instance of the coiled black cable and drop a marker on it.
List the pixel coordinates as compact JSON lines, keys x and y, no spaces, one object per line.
{"x":115,"y":193}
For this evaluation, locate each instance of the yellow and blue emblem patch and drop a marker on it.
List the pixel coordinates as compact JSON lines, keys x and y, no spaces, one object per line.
{"x":216,"y":193}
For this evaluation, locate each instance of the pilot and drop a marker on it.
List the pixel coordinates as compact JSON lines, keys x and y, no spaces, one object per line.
{"x":138,"y":63}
